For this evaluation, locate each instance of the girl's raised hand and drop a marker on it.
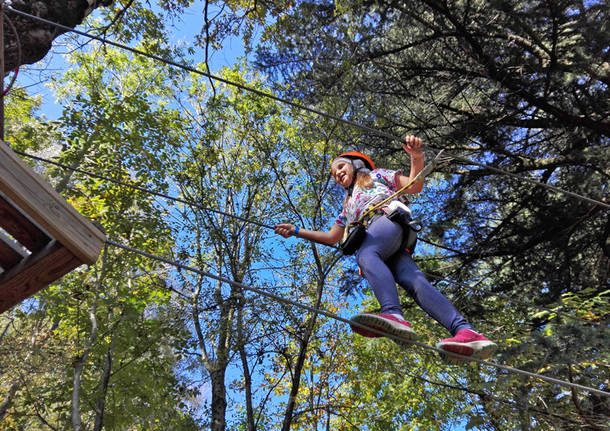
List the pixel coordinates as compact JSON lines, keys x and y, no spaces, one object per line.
{"x":413,"y":146}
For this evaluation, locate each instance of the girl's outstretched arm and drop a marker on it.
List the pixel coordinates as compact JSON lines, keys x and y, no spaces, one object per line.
{"x":331,"y":237}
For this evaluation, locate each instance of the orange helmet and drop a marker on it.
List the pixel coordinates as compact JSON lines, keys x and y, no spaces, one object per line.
{"x":368,"y":163}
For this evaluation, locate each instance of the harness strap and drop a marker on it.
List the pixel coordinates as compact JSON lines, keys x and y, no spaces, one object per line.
{"x":427,"y":170}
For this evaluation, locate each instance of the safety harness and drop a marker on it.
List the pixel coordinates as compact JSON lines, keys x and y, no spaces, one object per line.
{"x":394,"y":210}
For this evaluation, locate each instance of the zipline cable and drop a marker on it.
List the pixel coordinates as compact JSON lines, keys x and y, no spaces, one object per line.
{"x":197,"y":71}
{"x":152,"y":192}
{"x":250,"y":221}
{"x":142,"y":189}
{"x":341,"y":319}
{"x":531,"y":181}
{"x":299,"y":106}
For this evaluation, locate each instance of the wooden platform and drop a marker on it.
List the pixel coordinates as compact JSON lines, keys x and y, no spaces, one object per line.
{"x":44,"y":238}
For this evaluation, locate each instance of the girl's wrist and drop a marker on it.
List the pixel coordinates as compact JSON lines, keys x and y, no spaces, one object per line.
{"x":296,"y":231}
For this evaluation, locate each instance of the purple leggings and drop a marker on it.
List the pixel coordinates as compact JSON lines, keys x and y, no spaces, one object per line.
{"x":384,"y":265}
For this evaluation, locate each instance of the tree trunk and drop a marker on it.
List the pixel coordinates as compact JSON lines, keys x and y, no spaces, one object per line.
{"x":216,"y":367}
{"x":219,"y":398}
{"x":62,"y":184}
{"x":100,"y":403}
{"x":300,"y":363}
{"x":79,"y":365}
{"x":34,"y":39}
{"x":8,"y":400}
{"x":78,"y":370}
{"x":241,"y":342}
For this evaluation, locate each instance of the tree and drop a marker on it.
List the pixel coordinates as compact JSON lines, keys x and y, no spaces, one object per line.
{"x":223,"y":169}
{"x":510,"y":84}
{"x":109,"y":338}
{"x":33,"y":39}
{"x":517,"y":85}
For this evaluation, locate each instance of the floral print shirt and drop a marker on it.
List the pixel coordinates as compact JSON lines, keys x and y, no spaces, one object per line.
{"x":384,"y":185}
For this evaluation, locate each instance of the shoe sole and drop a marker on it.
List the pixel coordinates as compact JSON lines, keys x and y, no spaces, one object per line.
{"x":385,"y":325}
{"x":474,"y":349}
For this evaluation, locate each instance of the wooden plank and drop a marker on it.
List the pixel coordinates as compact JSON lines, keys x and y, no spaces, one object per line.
{"x":35,"y":273}
{"x":20,"y":227}
{"x":10,"y":253}
{"x":46,"y":207}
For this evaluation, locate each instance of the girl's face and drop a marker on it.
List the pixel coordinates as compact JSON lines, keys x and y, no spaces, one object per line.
{"x":343,"y":173}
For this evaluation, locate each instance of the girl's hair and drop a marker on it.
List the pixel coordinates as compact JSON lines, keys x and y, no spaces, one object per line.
{"x":364,"y":180}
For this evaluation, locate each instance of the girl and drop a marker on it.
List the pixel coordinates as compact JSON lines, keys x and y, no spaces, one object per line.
{"x":382,"y":260}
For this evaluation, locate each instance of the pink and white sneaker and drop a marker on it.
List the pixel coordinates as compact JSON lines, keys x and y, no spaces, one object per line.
{"x":467,"y":343}
{"x":386,"y":323}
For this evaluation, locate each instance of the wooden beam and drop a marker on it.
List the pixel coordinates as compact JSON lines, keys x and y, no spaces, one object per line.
{"x":46,"y":207}
{"x":34,"y":273}
{"x":10,"y":253}
{"x":20,"y":227}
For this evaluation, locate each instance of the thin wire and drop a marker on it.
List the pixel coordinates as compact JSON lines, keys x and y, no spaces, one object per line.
{"x":152,"y":192}
{"x":299,"y":106}
{"x":142,"y":189}
{"x":341,"y":319}
{"x":199,"y":206}
{"x":531,"y":181}
{"x":440,"y":279}
{"x":458,"y":252}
